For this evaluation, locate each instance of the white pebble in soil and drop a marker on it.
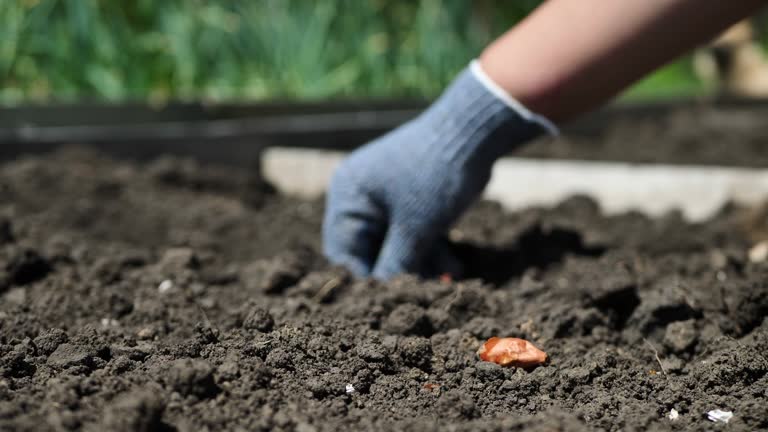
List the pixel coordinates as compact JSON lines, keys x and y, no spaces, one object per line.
{"x":165,"y":286}
{"x":720,"y":416}
{"x":759,"y":252}
{"x":109,"y":322}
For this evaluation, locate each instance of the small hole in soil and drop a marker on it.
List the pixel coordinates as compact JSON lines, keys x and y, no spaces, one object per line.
{"x":621,"y":304}
{"x":535,"y":248}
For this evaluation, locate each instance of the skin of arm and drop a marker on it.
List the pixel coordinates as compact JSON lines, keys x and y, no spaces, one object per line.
{"x":570,"y":56}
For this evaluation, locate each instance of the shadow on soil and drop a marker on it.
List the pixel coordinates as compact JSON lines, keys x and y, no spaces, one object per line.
{"x":535,"y":248}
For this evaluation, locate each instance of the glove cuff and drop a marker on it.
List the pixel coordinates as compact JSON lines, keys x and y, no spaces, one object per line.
{"x":512,"y":103}
{"x":475,"y":122}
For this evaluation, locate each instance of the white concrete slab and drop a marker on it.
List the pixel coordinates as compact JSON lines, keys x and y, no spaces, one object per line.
{"x":698,"y":191}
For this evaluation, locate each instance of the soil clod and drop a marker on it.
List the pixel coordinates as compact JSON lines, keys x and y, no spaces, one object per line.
{"x":192,"y":377}
{"x":257,"y":318}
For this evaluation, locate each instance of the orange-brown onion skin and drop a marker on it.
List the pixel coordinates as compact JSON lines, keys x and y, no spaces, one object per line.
{"x":511,"y":352}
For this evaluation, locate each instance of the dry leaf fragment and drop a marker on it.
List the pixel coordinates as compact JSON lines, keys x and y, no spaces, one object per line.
{"x":511,"y":352}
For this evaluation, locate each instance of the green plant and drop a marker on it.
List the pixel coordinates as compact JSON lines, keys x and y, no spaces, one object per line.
{"x":244,"y":49}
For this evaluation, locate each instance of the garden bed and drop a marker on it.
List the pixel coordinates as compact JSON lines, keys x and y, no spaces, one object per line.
{"x":173,"y":296}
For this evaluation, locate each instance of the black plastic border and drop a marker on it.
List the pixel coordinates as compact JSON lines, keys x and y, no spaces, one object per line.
{"x":235,"y":133}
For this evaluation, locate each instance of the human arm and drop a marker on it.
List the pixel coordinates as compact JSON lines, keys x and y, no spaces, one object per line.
{"x":391,"y":202}
{"x":570,"y":56}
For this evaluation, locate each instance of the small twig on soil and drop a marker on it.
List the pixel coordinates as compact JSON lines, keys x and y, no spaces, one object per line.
{"x":686,"y":291}
{"x":453,"y":299}
{"x":190,"y":298}
{"x":326,"y":289}
{"x":722,"y":300}
{"x":656,"y":354}
{"x":207,"y":321}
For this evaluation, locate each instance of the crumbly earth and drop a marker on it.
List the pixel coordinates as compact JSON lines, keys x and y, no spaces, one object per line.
{"x":705,"y":134}
{"x":175,"y":297}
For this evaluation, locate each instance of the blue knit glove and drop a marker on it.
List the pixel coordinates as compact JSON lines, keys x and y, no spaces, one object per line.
{"x":392,"y":201}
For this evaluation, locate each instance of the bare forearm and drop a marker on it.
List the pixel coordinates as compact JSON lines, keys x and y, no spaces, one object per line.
{"x":572,"y":55}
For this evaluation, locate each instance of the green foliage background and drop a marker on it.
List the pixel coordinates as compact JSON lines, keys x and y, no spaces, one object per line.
{"x":157,"y":50}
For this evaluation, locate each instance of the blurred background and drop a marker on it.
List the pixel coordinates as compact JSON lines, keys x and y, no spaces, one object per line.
{"x":284,"y":88}
{"x":254,"y":50}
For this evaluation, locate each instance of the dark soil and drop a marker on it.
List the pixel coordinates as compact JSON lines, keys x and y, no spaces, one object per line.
{"x":708,"y":134}
{"x":170,"y":296}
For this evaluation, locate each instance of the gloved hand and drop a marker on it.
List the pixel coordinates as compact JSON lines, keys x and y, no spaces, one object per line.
{"x":391,"y":202}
